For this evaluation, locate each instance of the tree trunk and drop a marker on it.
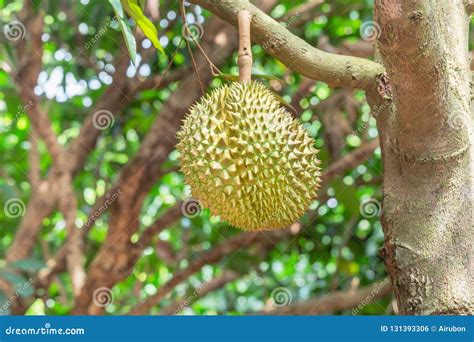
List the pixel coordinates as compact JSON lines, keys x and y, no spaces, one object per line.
{"x":425,"y":125}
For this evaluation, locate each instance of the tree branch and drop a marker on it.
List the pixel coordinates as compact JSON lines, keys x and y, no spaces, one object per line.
{"x":34,"y":162}
{"x":336,"y":301}
{"x":227,"y":277}
{"x":30,"y":57}
{"x":350,"y":160}
{"x":295,"y":53}
{"x":75,"y":244}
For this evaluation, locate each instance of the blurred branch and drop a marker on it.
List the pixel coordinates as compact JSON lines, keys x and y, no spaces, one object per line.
{"x":34,"y":160}
{"x":164,"y":221}
{"x":161,"y":81}
{"x":336,"y":301}
{"x":304,"y":8}
{"x":30,"y":53}
{"x":217,"y":283}
{"x":295,"y":53}
{"x":300,"y":14}
{"x":350,"y":160}
{"x":303,"y":89}
{"x":470,"y":6}
{"x":75,"y":244}
{"x":361,"y":48}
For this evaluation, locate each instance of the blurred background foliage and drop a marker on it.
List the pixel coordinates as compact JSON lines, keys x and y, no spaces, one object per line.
{"x":338,"y":250}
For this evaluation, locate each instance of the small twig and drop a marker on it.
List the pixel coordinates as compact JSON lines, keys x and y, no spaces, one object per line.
{"x":245,"y":50}
{"x":183,"y":16}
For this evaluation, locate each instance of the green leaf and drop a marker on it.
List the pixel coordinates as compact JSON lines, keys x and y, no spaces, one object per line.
{"x":28,"y":265}
{"x":126,"y":29}
{"x":149,"y":30}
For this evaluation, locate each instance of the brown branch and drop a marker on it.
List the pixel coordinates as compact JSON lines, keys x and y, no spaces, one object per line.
{"x":295,"y":53}
{"x":336,"y":301}
{"x":30,"y":53}
{"x":162,"y":81}
{"x":300,"y":14}
{"x":350,"y":160}
{"x":470,"y":6}
{"x":361,"y":48}
{"x":75,"y":245}
{"x":164,"y":221}
{"x":227,"y":277}
{"x":34,"y":162}
{"x":305,"y":85}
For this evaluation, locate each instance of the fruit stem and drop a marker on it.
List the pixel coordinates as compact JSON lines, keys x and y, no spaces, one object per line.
{"x":245,"y":50}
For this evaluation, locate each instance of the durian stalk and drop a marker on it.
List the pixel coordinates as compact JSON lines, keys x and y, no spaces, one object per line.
{"x":245,"y":50}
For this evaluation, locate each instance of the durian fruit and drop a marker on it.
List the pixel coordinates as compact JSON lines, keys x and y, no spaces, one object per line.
{"x":247,"y":159}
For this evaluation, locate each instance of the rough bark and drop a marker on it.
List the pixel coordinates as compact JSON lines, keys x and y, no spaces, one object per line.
{"x":424,"y":128}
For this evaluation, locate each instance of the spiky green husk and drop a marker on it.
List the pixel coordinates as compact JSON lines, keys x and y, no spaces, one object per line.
{"x":247,"y":159}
